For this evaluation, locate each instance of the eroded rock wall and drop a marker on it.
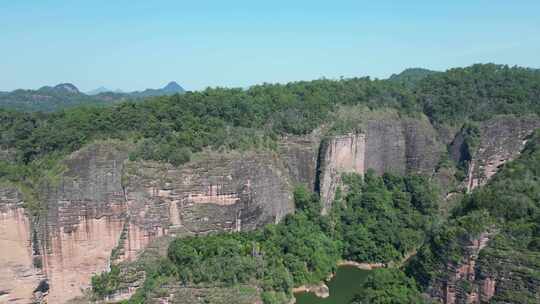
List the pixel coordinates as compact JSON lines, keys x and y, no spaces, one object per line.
{"x":501,"y":139}
{"x":486,"y":273}
{"x":460,"y":283}
{"x":18,"y":276}
{"x":339,"y":155}
{"x":104,"y":209}
{"x":84,"y":217}
{"x":300,"y":154}
{"x":221,"y":192}
{"x":399,"y":146}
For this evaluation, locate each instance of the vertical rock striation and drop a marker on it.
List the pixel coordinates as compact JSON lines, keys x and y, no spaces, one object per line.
{"x":229,"y":192}
{"x":340,"y":154}
{"x":299,"y":154}
{"x":399,"y":146}
{"x":84,"y":218}
{"x":18,"y":276}
{"x":501,"y":139}
{"x":460,"y":284}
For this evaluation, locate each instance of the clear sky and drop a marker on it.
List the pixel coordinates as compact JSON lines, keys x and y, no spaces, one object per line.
{"x":138,"y":44}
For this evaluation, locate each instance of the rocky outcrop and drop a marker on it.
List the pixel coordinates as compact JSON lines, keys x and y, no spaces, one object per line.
{"x":339,"y":155}
{"x":19,"y":276}
{"x":501,"y":139}
{"x":487,"y":273}
{"x":400,"y":146}
{"x":320,"y":290}
{"x":84,"y":218}
{"x":507,"y":275}
{"x":459,"y":283}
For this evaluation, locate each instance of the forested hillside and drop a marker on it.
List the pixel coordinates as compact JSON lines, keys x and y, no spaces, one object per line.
{"x":227,"y":117}
{"x":411,"y":77}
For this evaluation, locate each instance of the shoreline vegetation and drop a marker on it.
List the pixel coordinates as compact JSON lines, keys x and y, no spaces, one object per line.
{"x":321,"y":290}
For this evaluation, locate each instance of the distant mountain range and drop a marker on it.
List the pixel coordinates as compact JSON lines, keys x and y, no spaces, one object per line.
{"x":103,"y":90}
{"x":65,"y":95}
{"x":171,"y":88}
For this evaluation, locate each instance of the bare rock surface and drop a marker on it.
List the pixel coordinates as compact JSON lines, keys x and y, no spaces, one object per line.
{"x":219,"y":192}
{"x":501,"y":139}
{"x":18,"y":276}
{"x":399,"y":146}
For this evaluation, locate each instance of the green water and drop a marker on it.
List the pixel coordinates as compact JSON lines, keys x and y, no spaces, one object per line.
{"x":343,"y":287}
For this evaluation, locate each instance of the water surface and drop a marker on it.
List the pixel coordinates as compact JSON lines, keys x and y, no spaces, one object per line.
{"x":343,"y":287}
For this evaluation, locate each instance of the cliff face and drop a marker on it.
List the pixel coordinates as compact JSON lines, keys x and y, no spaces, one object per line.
{"x":18,"y":278}
{"x":492,"y":268}
{"x":230,"y":192}
{"x":501,"y":139}
{"x":340,"y":154}
{"x":460,"y":283}
{"x":299,"y":155}
{"x":84,"y":217}
{"x":105,"y":209}
{"x":399,"y":146}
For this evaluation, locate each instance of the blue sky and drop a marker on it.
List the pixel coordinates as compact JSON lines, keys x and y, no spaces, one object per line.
{"x":138,"y":44}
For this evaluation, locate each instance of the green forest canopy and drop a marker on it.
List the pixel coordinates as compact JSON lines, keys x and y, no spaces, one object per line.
{"x":172,"y":127}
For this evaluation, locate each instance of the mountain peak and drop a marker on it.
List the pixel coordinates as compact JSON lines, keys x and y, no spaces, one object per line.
{"x":173,"y":86}
{"x":69,"y":87}
{"x":98,"y":91}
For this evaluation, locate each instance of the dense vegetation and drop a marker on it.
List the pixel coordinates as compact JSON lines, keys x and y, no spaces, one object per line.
{"x":196,"y":120}
{"x":171,"y":128}
{"x":233,"y":118}
{"x":388,"y":286}
{"x":384,"y":219}
{"x":479,"y":92}
{"x":411,"y":77}
{"x":49,"y":99}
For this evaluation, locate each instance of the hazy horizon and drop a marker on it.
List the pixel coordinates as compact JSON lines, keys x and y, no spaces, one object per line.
{"x":133,"y":45}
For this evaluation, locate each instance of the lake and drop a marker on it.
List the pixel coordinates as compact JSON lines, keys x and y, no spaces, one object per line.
{"x":343,"y":286}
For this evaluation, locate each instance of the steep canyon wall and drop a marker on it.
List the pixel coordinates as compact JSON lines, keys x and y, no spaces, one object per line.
{"x":387,"y":145}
